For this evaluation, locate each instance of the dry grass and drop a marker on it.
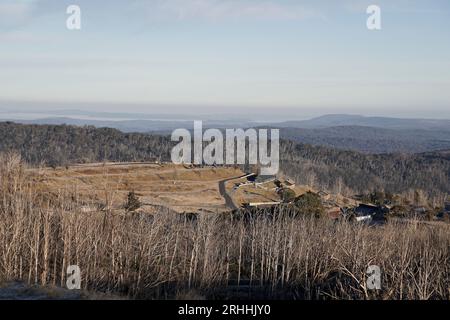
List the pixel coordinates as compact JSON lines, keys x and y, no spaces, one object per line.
{"x":178,"y":188}
{"x":167,"y":255}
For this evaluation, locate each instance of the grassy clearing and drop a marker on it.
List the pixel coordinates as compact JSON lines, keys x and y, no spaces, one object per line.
{"x":176,"y":187}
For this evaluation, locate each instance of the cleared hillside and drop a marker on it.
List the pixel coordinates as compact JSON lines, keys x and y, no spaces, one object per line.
{"x":322,"y":167}
{"x":178,"y":188}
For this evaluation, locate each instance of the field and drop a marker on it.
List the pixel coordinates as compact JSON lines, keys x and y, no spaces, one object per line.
{"x":180,"y":188}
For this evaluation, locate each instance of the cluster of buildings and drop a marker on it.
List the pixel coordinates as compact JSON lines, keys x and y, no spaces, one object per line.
{"x":337,"y":207}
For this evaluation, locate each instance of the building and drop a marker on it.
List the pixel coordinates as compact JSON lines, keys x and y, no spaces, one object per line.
{"x":447,"y":207}
{"x":289,"y":183}
{"x":366,"y":209}
{"x":420,"y":210}
{"x":256,"y":179}
{"x":368,"y":212}
{"x":260,"y":204}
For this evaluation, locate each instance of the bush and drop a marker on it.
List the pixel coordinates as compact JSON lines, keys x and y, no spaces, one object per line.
{"x":287,"y":195}
{"x":311,"y":204}
{"x":133,"y":202}
{"x":400,"y":211}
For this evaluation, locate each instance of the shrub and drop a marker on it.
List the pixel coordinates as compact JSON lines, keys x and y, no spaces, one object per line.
{"x":133,"y":202}
{"x":287,"y":195}
{"x":311,"y":204}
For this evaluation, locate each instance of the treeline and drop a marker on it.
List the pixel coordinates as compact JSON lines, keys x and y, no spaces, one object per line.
{"x":57,"y":145}
{"x":352,"y":172}
{"x":339,"y":171}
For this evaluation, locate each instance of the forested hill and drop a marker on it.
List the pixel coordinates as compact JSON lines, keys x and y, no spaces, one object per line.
{"x":62,"y":144}
{"x":371,"y":139}
{"x":323,"y":167}
{"x":336,"y":170}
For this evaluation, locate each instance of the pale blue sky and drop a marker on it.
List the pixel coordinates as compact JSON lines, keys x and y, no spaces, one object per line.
{"x":246,"y":54}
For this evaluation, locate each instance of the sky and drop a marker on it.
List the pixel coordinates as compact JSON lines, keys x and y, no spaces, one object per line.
{"x":291,"y":57}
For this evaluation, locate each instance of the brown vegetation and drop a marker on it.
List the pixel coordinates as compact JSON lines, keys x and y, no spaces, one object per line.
{"x":176,"y":187}
{"x":167,"y":255}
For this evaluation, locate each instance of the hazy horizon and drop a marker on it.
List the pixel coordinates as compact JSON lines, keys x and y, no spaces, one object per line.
{"x":36,"y":110}
{"x":270,"y":59}
{"x":174,"y":115}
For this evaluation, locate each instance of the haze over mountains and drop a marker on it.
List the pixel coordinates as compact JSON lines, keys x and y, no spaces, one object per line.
{"x":348,"y":132}
{"x":334,"y":120}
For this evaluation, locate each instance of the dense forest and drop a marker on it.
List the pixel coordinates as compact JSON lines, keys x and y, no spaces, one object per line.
{"x":62,"y":144}
{"x":354,"y":172}
{"x":414,"y":136}
{"x":371,"y":140}
{"x":323,"y":167}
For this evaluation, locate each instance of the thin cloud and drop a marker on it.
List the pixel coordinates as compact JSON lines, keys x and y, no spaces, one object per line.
{"x":226,"y":9}
{"x":15,"y":13}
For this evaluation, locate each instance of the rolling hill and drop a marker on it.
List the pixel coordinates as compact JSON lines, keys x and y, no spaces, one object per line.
{"x":377,"y":122}
{"x":324,"y":167}
{"x":346,"y":132}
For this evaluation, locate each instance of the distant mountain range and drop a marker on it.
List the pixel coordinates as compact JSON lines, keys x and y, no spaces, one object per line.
{"x":335,"y":120}
{"x":352,"y":132}
{"x":370,"y":134}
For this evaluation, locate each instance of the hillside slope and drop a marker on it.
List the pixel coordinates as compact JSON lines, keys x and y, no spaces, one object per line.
{"x":322,"y":167}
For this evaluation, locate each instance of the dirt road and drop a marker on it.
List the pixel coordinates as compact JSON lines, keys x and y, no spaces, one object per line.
{"x":229,"y":202}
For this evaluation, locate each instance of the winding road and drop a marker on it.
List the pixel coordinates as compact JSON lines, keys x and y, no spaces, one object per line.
{"x":229,"y":202}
